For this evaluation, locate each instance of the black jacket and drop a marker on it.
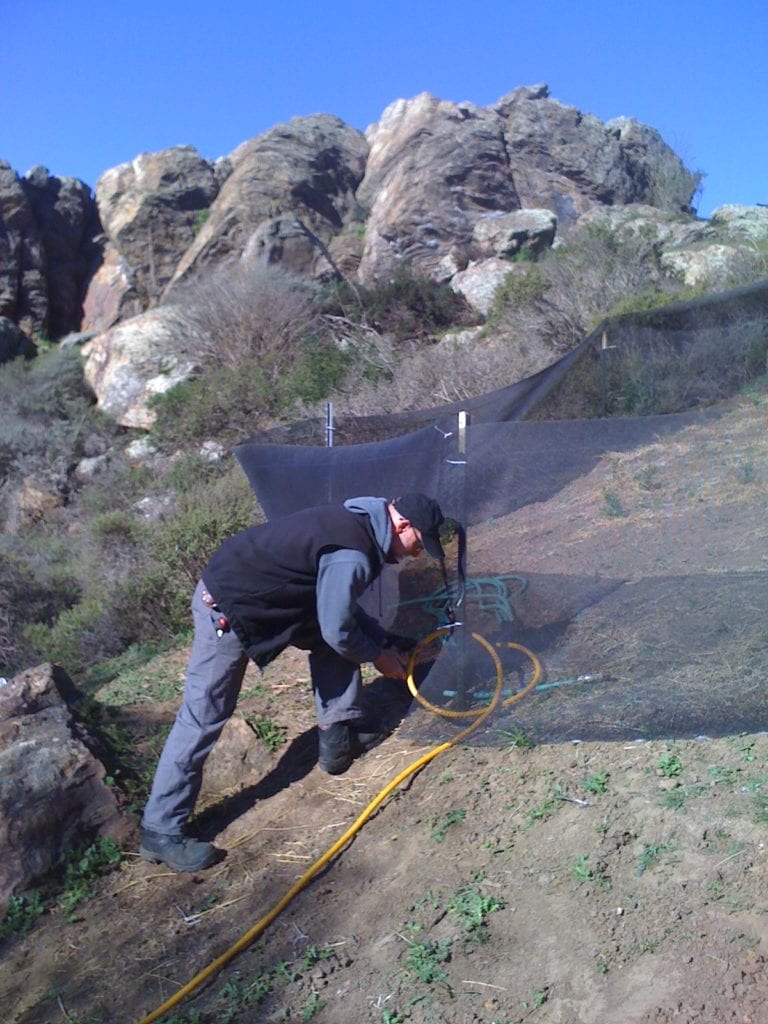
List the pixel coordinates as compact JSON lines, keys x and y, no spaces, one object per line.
{"x":265,"y":580}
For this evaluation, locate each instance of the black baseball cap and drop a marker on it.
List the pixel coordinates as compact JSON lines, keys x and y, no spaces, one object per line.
{"x":423,"y":513}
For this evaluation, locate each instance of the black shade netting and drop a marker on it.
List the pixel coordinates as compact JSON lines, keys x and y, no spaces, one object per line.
{"x":647,"y":621}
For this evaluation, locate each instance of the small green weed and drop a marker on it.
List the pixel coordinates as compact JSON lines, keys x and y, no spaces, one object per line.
{"x":584,"y":874}
{"x":538,"y":999}
{"x":314,"y":955}
{"x":471,"y":908}
{"x":542,"y":810}
{"x":650,"y":855}
{"x":675,"y":799}
{"x":581,"y":870}
{"x":747,"y":752}
{"x":612,"y":506}
{"x":271,"y":734}
{"x":83,"y":868}
{"x":597,"y":783}
{"x":392,"y":1017}
{"x":669,"y":765}
{"x":441,"y":824}
{"x":238,"y":995}
{"x":517,"y":739}
{"x":425,"y":958}
{"x":185,"y":1017}
{"x":21,"y":913}
{"x":313,"y":1006}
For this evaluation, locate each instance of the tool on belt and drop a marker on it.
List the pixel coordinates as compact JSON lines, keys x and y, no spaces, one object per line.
{"x":222,"y":624}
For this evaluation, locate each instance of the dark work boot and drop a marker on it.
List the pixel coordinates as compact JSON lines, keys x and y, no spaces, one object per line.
{"x":342,"y":742}
{"x":181,"y":853}
{"x":335,"y":749}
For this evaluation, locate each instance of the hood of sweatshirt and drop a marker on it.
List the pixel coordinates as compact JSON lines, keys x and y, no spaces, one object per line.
{"x":377,"y":511}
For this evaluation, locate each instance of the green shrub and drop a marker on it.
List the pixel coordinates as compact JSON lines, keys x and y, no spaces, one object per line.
{"x":223,"y":403}
{"x":407,"y":306}
{"x":320,"y":369}
{"x":88,"y":631}
{"x":156,"y":598}
{"x":664,"y":378}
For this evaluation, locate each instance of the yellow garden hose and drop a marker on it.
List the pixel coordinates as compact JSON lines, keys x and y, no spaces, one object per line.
{"x":480,"y":716}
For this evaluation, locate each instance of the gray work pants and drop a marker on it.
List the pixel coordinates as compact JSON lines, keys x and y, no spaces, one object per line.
{"x":215,"y":673}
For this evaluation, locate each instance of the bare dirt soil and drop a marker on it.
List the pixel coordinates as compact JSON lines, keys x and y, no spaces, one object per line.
{"x":600,"y":877}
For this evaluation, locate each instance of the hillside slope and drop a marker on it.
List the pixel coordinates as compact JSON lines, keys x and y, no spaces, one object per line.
{"x":570,"y":883}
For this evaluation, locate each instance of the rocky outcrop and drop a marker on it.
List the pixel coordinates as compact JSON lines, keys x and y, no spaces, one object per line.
{"x":23,"y":291}
{"x":52,"y":789}
{"x":288,"y":193}
{"x":715,"y":254}
{"x":437,"y":168}
{"x":145,"y":356}
{"x":439,"y":185}
{"x":433,"y":169}
{"x":568,"y":161}
{"x":481,"y":280}
{"x":67,"y":223}
{"x":151,"y":210}
{"x":710,"y":265}
{"x":527,"y":232}
{"x":47,"y":230}
{"x":743,"y":223}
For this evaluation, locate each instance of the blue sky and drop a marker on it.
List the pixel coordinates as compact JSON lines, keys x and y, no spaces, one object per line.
{"x":87,"y":85}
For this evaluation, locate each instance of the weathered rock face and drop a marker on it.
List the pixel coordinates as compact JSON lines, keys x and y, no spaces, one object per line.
{"x":433,"y":169}
{"x":151,"y":209}
{"x":436,"y":184}
{"x":145,"y":356}
{"x":509,"y":234}
{"x":567,"y":161}
{"x":480,"y":281}
{"x":110,"y":295}
{"x":23,"y":292}
{"x":66,"y":218}
{"x":746,"y":223}
{"x":52,"y":790}
{"x":436,"y":168}
{"x":47,"y":227}
{"x":305,"y":171}
{"x":712,"y":253}
{"x":708,"y":265}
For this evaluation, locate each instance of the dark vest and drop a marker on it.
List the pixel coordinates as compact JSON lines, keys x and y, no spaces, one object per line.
{"x":264,"y":579}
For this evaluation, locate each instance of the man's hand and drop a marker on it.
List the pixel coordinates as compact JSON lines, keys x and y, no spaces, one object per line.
{"x":392,"y":664}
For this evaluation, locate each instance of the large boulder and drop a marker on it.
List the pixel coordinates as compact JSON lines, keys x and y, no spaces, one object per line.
{"x":141,"y":357}
{"x":437,"y":168}
{"x":23,"y":291}
{"x":746,"y":223}
{"x":151,"y":209}
{"x":480,"y":281}
{"x":710,"y":265}
{"x":523,"y":232}
{"x":289,"y":191}
{"x":567,"y":161}
{"x":67,"y":224}
{"x":434,"y":168}
{"x":47,"y":225}
{"x":52,"y":788}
